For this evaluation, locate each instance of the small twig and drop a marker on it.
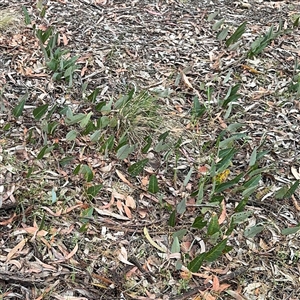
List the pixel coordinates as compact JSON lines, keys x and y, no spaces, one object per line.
{"x":147,"y":275}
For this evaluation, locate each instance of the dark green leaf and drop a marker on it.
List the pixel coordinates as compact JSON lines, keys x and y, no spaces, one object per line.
{"x":199,"y":223}
{"x":216,"y":251}
{"x":92,"y":191}
{"x":172,"y":219}
{"x":163,"y":136}
{"x":146,"y":148}
{"x":196,"y":263}
{"x":18,"y":110}
{"x":198,"y":108}
{"x":226,"y":185}
{"x":87,"y":173}
{"x":44,"y":151}
{"x":40,"y":111}
{"x":153,"y":184}
{"x":213,"y":225}
{"x":291,"y":190}
{"x":237,"y":34}
{"x":240,"y":207}
{"x":66,"y":160}
{"x":252,"y":181}
{"x":138,"y":167}
{"x":77,"y":169}
{"x":92,"y":97}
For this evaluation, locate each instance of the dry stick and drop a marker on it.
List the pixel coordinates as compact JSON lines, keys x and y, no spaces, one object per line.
{"x":209,"y":285}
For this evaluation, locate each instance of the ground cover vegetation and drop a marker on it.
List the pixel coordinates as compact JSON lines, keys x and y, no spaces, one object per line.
{"x":150,"y":150}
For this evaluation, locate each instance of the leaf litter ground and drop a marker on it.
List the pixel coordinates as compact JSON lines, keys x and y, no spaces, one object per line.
{"x":53,"y":245}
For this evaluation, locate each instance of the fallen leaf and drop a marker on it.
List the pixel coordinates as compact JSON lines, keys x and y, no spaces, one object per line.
{"x":123,"y":257}
{"x":123,"y":178}
{"x":130,"y":202}
{"x":150,"y":240}
{"x":16,"y":249}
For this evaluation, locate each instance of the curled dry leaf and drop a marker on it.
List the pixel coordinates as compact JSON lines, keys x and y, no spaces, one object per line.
{"x":295,"y":173}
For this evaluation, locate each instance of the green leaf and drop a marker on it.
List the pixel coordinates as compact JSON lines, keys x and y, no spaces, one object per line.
{"x":109,"y":144}
{"x":196,"y":263}
{"x":44,"y":35}
{"x":44,"y":151}
{"x":249,"y":191}
{"x":85,"y":120}
{"x":172,"y":219}
{"x":180,"y":234}
{"x":153,"y":184}
{"x":93,"y":96}
{"x":99,"y":106}
{"x":296,"y":22}
{"x":229,"y":142}
{"x":213,"y":225}
{"x":26,"y":14}
{"x":228,"y":184}
{"x":92,"y":191}
{"x":71,"y":136}
{"x":198,"y":108}
{"x":103,"y":122}
{"x":231,"y":96}
{"x":225,"y":161}
{"x":240,"y":217}
{"x":66,"y":160}
{"x":87,"y":213}
{"x":95,"y":136}
{"x":222,"y":34}
{"x":216,"y":251}
{"x":200,"y":193}
{"x":77,"y":169}
{"x":87,"y":173}
{"x":146,"y":148}
{"x":175,"y":248}
{"x":290,"y":230}
{"x":237,"y":34}
{"x":281,"y":192}
{"x":18,"y":110}
{"x":181,"y":207}
{"x":212,"y":15}
{"x":138,"y":167}
{"x":291,"y":190}
{"x":163,"y":136}
{"x":241,"y":206}
{"x":188,"y":177}
{"x":124,"y":151}
{"x":199,"y":223}
{"x":253,"y":157}
{"x":218,"y":24}
{"x":73,"y":119}
{"x":252,"y":182}
{"x":251,"y":232}
{"x":40,"y":111}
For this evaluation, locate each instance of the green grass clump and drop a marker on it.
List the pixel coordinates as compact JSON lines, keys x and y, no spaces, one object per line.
{"x":7,"y":18}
